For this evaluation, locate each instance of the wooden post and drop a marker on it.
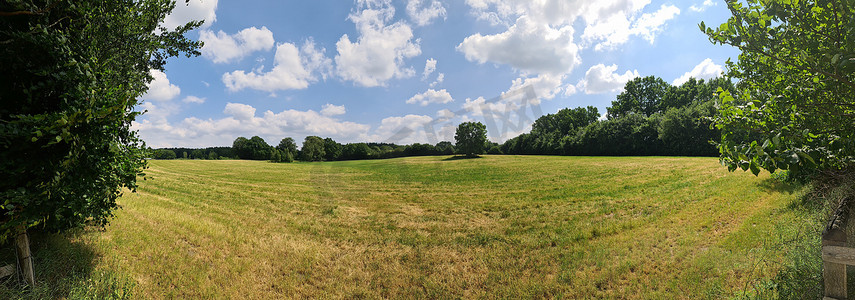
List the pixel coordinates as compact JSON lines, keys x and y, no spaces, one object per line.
{"x":834,"y":273}
{"x":25,"y":261}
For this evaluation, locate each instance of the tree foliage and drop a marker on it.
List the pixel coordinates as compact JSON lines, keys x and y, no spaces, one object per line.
{"x":254,"y":148}
{"x":651,"y":119}
{"x":470,"y":138}
{"x":796,"y":106}
{"x":72,"y":74}
{"x":313,"y":149}
{"x":642,"y":95}
{"x":287,"y":145}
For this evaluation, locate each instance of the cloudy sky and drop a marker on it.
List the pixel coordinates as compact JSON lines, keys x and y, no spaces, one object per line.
{"x":409,"y":71}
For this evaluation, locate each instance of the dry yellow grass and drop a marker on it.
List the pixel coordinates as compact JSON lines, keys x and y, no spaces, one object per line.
{"x":426,"y":227}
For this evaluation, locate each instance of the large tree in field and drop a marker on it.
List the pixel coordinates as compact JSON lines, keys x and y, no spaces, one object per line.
{"x":73,"y":72}
{"x":796,"y":106}
{"x":470,"y":138}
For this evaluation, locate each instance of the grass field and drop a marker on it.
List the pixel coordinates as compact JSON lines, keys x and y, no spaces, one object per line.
{"x":434,"y":227}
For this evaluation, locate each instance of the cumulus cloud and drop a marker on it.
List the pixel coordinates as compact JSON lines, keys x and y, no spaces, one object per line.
{"x":703,"y":6}
{"x":407,"y":129}
{"x":160,"y":89}
{"x":194,"y":99}
{"x":528,"y":46}
{"x":423,"y":12}
{"x":292,"y":69}
{"x":332,"y":110}
{"x":223,"y":48}
{"x":239,"y":111}
{"x":618,"y":27}
{"x":241,"y":120}
{"x":431,"y":96}
{"x":430,"y":66}
{"x":606,"y":23}
{"x":546,"y":86}
{"x":380,"y":50}
{"x":605,"y":79}
{"x":705,"y":70}
{"x":194,"y":10}
{"x":445,"y":114}
{"x":440,"y":77}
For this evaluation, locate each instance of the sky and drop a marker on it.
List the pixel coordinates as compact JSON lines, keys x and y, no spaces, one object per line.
{"x":410,"y":71}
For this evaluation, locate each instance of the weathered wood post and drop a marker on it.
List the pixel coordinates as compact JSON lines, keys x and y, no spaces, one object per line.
{"x":25,"y":261}
{"x":834,"y":272}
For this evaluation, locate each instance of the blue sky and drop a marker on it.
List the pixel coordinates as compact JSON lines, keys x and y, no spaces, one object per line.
{"x":362,"y":71}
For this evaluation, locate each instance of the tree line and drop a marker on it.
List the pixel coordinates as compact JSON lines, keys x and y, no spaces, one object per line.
{"x":650,"y":117}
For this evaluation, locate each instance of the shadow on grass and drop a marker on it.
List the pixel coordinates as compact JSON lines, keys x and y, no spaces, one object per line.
{"x":775,"y":185}
{"x":64,"y":268}
{"x":459,"y":157}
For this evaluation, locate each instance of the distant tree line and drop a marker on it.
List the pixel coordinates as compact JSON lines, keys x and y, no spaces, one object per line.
{"x":193,"y":153}
{"x":651,"y":117}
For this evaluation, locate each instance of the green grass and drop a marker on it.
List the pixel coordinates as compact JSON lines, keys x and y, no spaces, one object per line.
{"x":430,"y":227}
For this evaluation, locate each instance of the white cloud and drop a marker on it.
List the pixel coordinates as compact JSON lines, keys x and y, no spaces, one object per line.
{"x":703,"y":6}
{"x":423,"y":13}
{"x":160,"y":89}
{"x":605,"y":79}
{"x":378,"y":54}
{"x":194,"y":99}
{"x":241,"y":120}
{"x":193,"y":11}
{"x":606,"y":23}
{"x":239,"y":111}
{"x":705,"y":70}
{"x":332,"y":110}
{"x":402,"y":130}
{"x":223,"y":48}
{"x":440,"y":77}
{"x":546,"y":86}
{"x":292,"y":69}
{"x":528,"y":46}
{"x":430,"y":66}
{"x":617,"y":27}
{"x":649,"y":25}
{"x":431,"y":96}
{"x":445,"y":114}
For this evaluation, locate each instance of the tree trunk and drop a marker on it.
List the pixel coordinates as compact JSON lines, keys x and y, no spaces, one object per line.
{"x":25,"y":261}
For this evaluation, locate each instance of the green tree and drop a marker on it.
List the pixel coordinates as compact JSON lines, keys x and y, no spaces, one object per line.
{"x":164,"y":154}
{"x":288,"y":145}
{"x":445,"y":148}
{"x":642,"y":95}
{"x":240,"y":148}
{"x":73,"y":72}
{"x":313,"y":149}
{"x":197,"y":154}
{"x":470,"y":138}
{"x":797,"y":80}
{"x":213,"y":155}
{"x":254,"y":148}
{"x":276,"y":156}
{"x":687,"y":131}
{"x":287,"y":157}
{"x":332,"y":149}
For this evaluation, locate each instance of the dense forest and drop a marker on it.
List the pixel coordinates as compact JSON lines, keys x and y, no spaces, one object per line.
{"x":650,"y":117}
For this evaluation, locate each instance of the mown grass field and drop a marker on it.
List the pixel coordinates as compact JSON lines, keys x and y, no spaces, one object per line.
{"x":433,"y":227}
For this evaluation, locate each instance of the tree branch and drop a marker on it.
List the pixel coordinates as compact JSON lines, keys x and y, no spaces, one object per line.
{"x":17,"y":13}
